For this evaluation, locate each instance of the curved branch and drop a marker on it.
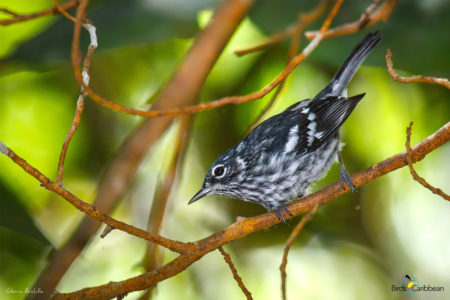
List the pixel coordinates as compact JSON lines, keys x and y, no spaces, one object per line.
{"x":416,"y":78}
{"x":246,"y":226}
{"x":25,"y":17}
{"x":80,"y":101}
{"x":414,"y":174}
{"x":76,"y":59}
{"x":92,"y":211}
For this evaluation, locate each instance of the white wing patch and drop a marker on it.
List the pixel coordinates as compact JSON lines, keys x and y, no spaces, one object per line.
{"x":311,"y":132}
{"x":292,"y":140}
{"x":319,"y":135}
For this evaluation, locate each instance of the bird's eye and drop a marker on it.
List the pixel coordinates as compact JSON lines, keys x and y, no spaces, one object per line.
{"x":219,"y":171}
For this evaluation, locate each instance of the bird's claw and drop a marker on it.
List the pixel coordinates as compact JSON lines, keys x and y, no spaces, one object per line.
{"x":280,"y":214}
{"x":345,"y":179}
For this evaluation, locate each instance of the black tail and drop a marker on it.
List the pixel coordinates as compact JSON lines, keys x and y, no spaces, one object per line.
{"x":341,"y":79}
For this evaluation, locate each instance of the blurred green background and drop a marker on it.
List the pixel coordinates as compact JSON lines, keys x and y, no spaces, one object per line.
{"x":355,"y":247}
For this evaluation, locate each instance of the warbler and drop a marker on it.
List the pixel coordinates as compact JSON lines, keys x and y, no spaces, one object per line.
{"x":277,"y":161}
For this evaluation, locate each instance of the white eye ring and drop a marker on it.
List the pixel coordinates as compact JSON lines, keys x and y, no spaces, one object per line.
{"x":219,"y":171}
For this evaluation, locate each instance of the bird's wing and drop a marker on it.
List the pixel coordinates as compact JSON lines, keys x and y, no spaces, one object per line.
{"x":320,"y":119}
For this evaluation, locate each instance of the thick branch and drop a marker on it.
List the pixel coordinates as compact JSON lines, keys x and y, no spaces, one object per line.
{"x":91,"y":210}
{"x":246,"y":226}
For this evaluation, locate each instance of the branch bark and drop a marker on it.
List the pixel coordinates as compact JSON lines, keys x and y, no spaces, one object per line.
{"x":243,"y":227}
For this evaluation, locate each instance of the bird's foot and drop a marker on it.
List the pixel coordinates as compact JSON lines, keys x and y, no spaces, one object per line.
{"x":344,"y":177}
{"x":280,"y":214}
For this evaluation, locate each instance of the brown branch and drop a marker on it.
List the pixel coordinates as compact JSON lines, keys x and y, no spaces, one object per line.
{"x":80,"y":102}
{"x":9,"y":12}
{"x":182,"y":90}
{"x":245,"y":226}
{"x":91,"y":210}
{"x":381,"y":14}
{"x":365,"y":17}
{"x":236,"y":276}
{"x":416,"y":78}
{"x":76,"y":58}
{"x":25,"y":17}
{"x":414,"y":174}
{"x":304,"y":19}
{"x":63,"y":11}
{"x":161,"y":197}
{"x":289,"y":242}
{"x":270,"y":41}
{"x":106,"y":231}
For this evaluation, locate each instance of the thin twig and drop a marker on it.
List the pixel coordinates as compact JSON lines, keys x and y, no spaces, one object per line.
{"x":76,"y":58}
{"x":365,"y":17}
{"x":25,"y":17}
{"x":90,"y":210}
{"x":381,"y":14}
{"x":304,"y":20}
{"x":289,"y":242}
{"x":9,"y":12}
{"x":271,"y":40}
{"x":414,"y":174}
{"x":416,"y":78}
{"x":236,"y":276}
{"x":245,"y":226}
{"x":80,"y":102}
{"x":106,"y":231}
{"x":63,"y":11}
{"x":290,"y":31}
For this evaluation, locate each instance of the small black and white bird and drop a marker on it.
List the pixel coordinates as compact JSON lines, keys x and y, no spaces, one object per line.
{"x":281,"y":157}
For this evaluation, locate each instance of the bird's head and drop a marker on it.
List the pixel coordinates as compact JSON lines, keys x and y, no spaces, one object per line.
{"x":222,"y":177}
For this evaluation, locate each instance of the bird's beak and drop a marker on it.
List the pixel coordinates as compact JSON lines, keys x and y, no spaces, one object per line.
{"x":202,"y":193}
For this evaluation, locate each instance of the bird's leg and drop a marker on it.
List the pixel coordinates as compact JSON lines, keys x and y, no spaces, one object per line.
{"x":279,"y":213}
{"x":344,"y":176}
{"x":284,"y":207}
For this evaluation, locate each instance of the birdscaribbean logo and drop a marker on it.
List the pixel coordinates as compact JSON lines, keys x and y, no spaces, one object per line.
{"x":409,"y":282}
{"x":410,"y":285}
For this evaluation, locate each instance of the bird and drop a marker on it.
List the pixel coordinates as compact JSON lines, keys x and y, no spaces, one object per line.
{"x":277,"y":161}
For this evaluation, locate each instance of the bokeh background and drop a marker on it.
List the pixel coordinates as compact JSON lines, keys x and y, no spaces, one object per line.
{"x":356,"y":247}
